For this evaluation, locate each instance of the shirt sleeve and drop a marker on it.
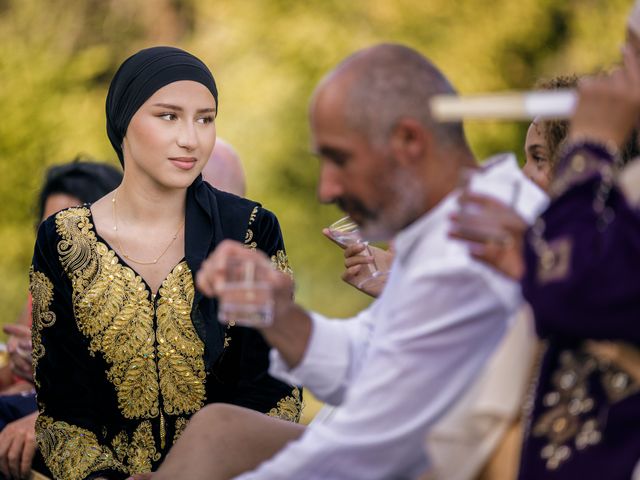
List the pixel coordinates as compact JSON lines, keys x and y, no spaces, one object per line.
{"x":430,"y":347}
{"x":68,"y":440}
{"x":332,"y":356}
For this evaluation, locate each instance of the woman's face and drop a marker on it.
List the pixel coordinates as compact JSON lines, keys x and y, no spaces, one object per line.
{"x":538,"y":165}
{"x":171,"y":136}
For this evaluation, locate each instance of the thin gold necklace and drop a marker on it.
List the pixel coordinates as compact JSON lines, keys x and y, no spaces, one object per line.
{"x":124,"y":254}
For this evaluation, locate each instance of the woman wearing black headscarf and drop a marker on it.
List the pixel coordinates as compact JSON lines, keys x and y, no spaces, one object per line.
{"x":125,"y":349}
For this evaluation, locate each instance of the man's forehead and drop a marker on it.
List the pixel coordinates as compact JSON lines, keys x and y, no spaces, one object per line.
{"x":327,"y":110}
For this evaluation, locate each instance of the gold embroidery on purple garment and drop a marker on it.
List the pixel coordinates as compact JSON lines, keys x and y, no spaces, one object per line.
{"x":571,"y":420}
{"x":554,"y":263}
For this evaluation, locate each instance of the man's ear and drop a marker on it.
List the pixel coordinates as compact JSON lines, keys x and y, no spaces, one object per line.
{"x":409,"y":141}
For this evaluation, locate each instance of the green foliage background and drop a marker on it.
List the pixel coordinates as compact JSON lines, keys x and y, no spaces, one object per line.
{"x":57,"y":58}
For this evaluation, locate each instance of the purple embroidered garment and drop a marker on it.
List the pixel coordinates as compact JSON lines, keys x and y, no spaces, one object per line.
{"x":583,"y":283}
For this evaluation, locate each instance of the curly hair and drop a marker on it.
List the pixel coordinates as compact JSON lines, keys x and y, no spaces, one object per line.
{"x":555,"y":131}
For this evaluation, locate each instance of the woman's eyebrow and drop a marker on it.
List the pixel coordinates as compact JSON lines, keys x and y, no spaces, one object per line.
{"x":180,"y":109}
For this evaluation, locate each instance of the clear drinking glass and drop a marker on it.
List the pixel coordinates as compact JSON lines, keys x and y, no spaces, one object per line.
{"x":246,"y":298}
{"x":482,"y":222}
{"x":347,"y":232}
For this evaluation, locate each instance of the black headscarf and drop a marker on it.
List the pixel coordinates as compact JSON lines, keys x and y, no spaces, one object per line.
{"x":140,"y":76}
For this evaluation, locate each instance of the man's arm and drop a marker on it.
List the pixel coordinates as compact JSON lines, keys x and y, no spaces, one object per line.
{"x":316,"y":352}
{"x":332,"y":354}
{"x":426,"y":353}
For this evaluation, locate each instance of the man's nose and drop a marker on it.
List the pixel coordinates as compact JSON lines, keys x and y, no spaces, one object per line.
{"x":329,"y":185}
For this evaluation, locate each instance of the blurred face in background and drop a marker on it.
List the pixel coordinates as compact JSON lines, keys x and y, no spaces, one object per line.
{"x":538,"y":165}
{"x":59,"y":201}
{"x":633,"y":41}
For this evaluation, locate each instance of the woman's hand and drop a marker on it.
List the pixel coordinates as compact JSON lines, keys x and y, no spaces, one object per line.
{"x":360,"y":261}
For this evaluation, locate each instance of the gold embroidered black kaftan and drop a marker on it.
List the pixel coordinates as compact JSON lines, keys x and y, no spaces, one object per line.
{"x":119,"y":371}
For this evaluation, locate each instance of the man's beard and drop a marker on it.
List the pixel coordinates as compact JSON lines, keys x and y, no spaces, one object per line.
{"x":402,"y":204}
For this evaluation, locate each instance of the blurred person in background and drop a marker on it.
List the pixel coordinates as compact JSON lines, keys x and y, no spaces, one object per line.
{"x":580,"y":277}
{"x":78,"y":182}
{"x":544,"y":138}
{"x":224,"y":169}
{"x":578,"y":274}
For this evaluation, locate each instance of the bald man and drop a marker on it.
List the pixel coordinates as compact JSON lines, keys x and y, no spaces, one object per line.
{"x":397,"y":367}
{"x":224,"y":169}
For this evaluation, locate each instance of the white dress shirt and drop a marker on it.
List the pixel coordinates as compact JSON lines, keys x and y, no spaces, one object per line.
{"x":398,"y":366}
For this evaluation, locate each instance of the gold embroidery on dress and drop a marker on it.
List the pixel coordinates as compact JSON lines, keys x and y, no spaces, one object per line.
{"x":247,"y":240}
{"x":289,"y":408}
{"x":572,"y":420}
{"x":249,"y":234}
{"x":120,"y":446}
{"x":163,"y":431}
{"x":113,"y":309}
{"x":180,"y":425}
{"x":180,"y":349}
{"x":71,"y":452}
{"x":42,"y":294}
{"x":253,"y":215}
{"x":280,"y":262}
{"x":141,"y":452}
{"x":75,"y":249}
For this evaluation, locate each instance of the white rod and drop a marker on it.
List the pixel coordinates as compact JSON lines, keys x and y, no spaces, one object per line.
{"x":505,"y":106}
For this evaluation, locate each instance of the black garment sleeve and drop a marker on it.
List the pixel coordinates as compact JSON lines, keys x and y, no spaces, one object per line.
{"x":246,"y":354}
{"x":69,"y":441}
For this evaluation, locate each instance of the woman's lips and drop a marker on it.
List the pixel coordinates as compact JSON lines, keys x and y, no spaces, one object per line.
{"x":183,"y":163}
